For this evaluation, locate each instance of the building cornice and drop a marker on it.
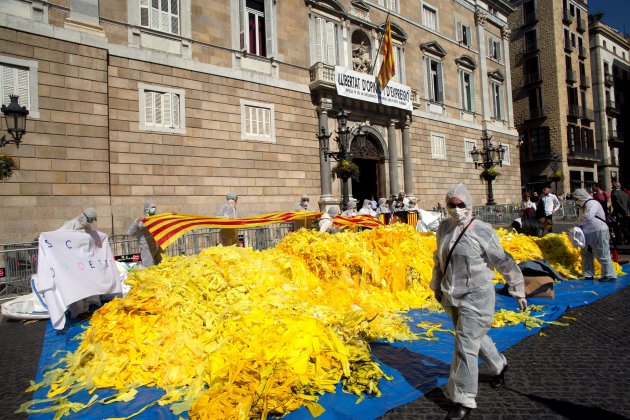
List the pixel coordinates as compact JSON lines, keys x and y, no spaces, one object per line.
{"x":600,"y":28}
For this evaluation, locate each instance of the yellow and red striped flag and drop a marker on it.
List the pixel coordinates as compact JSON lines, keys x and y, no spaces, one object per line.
{"x":388,"y":68}
{"x":166,"y":228}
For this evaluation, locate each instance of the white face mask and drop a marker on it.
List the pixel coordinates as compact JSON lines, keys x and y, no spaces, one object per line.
{"x":457,"y":213}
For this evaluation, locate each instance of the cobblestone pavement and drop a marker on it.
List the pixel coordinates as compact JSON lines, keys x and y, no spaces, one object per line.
{"x":578,"y":372}
{"x":581,"y":371}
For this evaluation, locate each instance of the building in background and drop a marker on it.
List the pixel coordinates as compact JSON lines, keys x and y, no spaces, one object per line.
{"x":182,"y":101}
{"x":610,"y":69}
{"x":553,"y":102}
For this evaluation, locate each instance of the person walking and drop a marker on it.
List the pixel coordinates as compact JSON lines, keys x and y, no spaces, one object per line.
{"x":228,"y":236}
{"x":596,"y":235}
{"x":468,"y":251}
{"x":150,"y":251}
{"x":621,"y":213}
{"x":550,"y":204}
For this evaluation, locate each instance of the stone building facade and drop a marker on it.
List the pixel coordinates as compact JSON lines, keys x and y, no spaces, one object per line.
{"x":610,"y":69}
{"x":182,"y":101}
{"x":553,"y":101}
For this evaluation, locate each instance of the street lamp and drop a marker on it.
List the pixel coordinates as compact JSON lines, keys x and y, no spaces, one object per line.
{"x":343,"y":145}
{"x":491,"y":156}
{"x":15,"y":117}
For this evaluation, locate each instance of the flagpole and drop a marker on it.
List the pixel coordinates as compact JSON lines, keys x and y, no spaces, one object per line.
{"x":380,"y":44}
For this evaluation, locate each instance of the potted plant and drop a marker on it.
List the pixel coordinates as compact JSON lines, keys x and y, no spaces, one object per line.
{"x":489,"y":174}
{"x":7,"y":166}
{"x":345,"y":169}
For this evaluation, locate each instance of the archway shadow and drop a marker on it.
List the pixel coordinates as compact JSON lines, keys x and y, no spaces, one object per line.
{"x":571,"y":410}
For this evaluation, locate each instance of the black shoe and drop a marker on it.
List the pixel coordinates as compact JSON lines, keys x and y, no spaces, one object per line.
{"x":608,"y":279}
{"x":589,"y":278}
{"x":499,"y":380}
{"x":459,"y":412}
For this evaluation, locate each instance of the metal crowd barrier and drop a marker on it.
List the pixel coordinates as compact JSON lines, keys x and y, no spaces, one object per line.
{"x":17,"y":263}
{"x":504,"y":214}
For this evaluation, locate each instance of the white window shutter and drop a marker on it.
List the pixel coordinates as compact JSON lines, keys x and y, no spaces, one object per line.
{"x":158,"y":110}
{"x":319,"y":35}
{"x":270,"y":28}
{"x":144,"y":13}
{"x":148,"y":108}
{"x":8,"y":84}
{"x":155,"y":15}
{"x":440,"y":95}
{"x":330,"y":43}
{"x":176,"y":123}
{"x":473,"y":106}
{"x":460,"y":36}
{"x":175,"y":16}
{"x":22,"y":87}
{"x":461,"y":87}
{"x":167,"y":105}
{"x":501,"y":112}
{"x":498,"y":47}
{"x":469,"y":36}
{"x":429,"y":85}
{"x":243,"y":37}
{"x":490,"y":47}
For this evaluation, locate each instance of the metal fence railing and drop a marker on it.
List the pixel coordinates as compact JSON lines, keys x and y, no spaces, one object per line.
{"x":18,"y":262}
{"x":504,"y":214}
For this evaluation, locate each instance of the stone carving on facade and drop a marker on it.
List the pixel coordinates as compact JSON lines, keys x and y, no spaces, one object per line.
{"x":360,"y":9}
{"x":361,"y":60}
{"x":506,"y":33}
{"x":364,"y":148}
{"x":480,"y":17}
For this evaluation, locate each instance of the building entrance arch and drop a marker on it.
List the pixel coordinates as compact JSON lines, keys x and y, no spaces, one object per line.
{"x":369,"y":152}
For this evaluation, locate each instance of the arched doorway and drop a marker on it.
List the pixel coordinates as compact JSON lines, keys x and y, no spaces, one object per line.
{"x":369,"y":158}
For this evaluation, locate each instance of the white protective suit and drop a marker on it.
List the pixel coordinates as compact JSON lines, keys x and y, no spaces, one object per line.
{"x":366,"y":210}
{"x":351,"y":209}
{"x":304,"y":204}
{"x":150,"y":251}
{"x":326,"y":223}
{"x":596,"y":236}
{"x":82,"y":221}
{"x":467,"y":294}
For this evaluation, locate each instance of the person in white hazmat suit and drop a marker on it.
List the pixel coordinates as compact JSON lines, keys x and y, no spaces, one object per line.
{"x":150,"y":251}
{"x":592,"y":221}
{"x":82,"y":221}
{"x":463,"y":286}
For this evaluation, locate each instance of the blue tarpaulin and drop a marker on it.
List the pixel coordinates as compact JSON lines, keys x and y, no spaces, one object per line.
{"x":417,"y":367}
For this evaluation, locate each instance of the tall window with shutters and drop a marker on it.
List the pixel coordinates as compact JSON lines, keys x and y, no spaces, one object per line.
{"x":467,"y":89}
{"x":496,"y":91}
{"x":160,"y":15}
{"x":257,"y":27}
{"x":494,"y":49}
{"x":464,"y":34}
{"x":325,"y":34}
{"x":390,"y":5}
{"x":438,"y":146}
{"x":162,"y":109}
{"x":435,"y":83}
{"x":430,"y":17}
{"x":14,"y":81}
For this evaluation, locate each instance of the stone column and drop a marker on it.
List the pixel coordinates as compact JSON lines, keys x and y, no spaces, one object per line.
{"x":480,"y":21}
{"x":406,"y":145}
{"x":393,"y":157}
{"x":326,"y":198}
{"x":509,"y":107}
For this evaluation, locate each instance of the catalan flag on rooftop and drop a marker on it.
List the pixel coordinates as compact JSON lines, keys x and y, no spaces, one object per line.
{"x":388,"y":68}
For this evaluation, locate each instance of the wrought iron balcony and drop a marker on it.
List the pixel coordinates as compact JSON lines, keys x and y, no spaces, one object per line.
{"x":585,"y":81}
{"x":584,"y":153}
{"x":615,"y":138}
{"x":571,"y":76}
{"x":535,"y":113}
{"x":573,"y":111}
{"x":587,"y":114}
{"x":567,"y":45}
{"x":566,"y":17}
{"x":530,"y":17}
{"x":581,"y":51}
{"x":581,"y":25}
{"x":612,"y":107}
{"x":609,"y":79}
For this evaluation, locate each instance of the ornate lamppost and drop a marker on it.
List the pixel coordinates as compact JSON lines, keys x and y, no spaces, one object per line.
{"x":15,"y":117}
{"x":491,"y":156}
{"x":343,"y":155}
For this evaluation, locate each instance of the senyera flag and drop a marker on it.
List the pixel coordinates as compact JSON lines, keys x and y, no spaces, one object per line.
{"x":388,"y":68}
{"x":166,"y":228}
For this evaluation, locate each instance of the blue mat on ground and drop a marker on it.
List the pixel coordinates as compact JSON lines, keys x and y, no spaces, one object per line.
{"x":417,"y":367}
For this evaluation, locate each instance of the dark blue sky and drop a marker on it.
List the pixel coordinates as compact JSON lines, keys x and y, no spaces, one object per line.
{"x":616,"y":13}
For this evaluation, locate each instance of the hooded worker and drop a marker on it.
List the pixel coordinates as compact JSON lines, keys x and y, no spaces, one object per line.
{"x":383,"y":207}
{"x":468,"y":251}
{"x":592,"y":221}
{"x":150,"y":251}
{"x":82,"y":221}
{"x":351,"y":209}
{"x":326,"y":221}
{"x":366,"y":209}
{"x":304,"y":204}
{"x":228,"y":209}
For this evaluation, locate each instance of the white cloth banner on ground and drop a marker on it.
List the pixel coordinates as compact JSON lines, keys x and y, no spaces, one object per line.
{"x":74,"y":265}
{"x":363,"y":86}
